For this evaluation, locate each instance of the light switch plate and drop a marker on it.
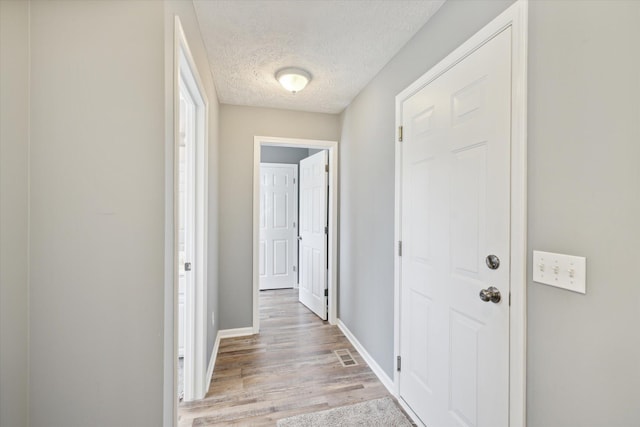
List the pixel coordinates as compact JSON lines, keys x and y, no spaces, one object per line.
{"x":562,"y":271}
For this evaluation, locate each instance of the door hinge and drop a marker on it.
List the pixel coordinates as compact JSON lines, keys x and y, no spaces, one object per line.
{"x":400,"y":248}
{"x":509,"y":299}
{"x":400,"y":133}
{"x":326,"y":292}
{"x":294,"y":268}
{"x":326,"y":168}
{"x":326,"y":230}
{"x":294,"y":180}
{"x":399,"y":363}
{"x":294,"y":224}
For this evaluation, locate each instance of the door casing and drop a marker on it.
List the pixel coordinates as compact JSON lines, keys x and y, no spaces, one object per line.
{"x":182,"y":58}
{"x":516,"y":17}
{"x":332,"y":274}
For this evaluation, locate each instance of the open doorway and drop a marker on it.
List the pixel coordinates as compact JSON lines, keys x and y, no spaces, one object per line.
{"x":295,"y":244}
{"x":190,"y":224}
{"x":278,"y":245}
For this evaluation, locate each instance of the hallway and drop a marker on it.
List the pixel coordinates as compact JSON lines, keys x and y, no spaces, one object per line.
{"x":288,"y":369}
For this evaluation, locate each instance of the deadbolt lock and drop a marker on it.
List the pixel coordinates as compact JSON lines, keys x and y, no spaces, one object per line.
{"x":493,"y":262}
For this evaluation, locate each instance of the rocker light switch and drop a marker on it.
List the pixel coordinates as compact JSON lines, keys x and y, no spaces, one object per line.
{"x":562,"y":271}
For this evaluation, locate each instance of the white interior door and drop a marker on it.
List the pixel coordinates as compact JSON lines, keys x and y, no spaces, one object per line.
{"x":313,"y":233}
{"x":278,"y":226}
{"x":455,"y":211}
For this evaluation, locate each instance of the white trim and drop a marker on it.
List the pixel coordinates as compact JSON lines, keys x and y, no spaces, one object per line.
{"x":518,"y":313}
{"x":332,"y":147}
{"x":222,"y":334}
{"x":212,"y":359}
{"x":170,"y":348}
{"x":234,"y":333}
{"x":183,"y":61}
{"x":382,"y":376}
{"x":516,"y":17}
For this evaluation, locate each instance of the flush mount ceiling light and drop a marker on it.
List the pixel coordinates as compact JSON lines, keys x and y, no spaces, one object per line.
{"x":293,"y":79}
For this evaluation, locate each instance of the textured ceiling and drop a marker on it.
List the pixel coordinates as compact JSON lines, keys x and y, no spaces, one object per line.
{"x":342,"y":43}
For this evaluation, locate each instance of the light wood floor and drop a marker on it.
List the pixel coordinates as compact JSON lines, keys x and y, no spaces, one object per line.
{"x":289,"y":368}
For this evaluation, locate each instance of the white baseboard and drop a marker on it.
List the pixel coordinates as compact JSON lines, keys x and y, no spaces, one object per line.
{"x":233,"y":333}
{"x":212,"y":360}
{"x":382,"y":376}
{"x":223,"y":333}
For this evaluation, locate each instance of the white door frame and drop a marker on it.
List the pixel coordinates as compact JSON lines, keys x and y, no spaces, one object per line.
{"x":516,"y":17}
{"x":332,"y":276}
{"x":196,"y":298}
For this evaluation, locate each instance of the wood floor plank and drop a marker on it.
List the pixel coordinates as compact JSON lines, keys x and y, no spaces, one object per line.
{"x":288,"y":369}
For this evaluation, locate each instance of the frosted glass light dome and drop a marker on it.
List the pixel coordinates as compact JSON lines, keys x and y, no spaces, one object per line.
{"x":293,"y":79}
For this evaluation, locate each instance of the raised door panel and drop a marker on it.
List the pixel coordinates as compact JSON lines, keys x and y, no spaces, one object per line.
{"x":281,"y":255}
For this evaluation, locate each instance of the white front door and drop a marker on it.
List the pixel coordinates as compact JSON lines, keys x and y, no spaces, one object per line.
{"x":313,"y":233}
{"x":278,"y":226}
{"x":455,"y":211}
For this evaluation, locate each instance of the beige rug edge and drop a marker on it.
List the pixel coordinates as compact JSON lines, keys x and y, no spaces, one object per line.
{"x":377,"y":412}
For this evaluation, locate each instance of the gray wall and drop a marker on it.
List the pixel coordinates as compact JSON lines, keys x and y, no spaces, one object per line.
{"x":584,"y":199}
{"x":288,"y":155}
{"x":367,"y":155}
{"x":86,"y":132}
{"x":238,"y":126}
{"x":101,"y":111}
{"x":14,"y":170}
{"x":96,"y":223}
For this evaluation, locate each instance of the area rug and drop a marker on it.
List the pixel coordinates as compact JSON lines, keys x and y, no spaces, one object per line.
{"x":379,"y":412}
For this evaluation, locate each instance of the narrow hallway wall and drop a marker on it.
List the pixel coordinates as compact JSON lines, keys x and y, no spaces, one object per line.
{"x":96,"y":213}
{"x":583,"y":199}
{"x":85,"y":113}
{"x":14,"y":214}
{"x":238,"y":126}
{"x":367,"y":175}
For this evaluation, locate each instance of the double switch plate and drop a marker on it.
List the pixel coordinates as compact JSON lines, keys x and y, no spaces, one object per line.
{"x":562,"y":271}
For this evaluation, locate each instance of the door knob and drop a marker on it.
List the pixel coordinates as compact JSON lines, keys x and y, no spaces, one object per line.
{"x":490,"y":294}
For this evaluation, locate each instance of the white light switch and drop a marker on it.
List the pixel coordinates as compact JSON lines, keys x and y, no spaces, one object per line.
{"x":563,"y":271}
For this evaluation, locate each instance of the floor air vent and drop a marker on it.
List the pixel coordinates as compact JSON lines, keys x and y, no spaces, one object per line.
{"x":345,"y":358}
